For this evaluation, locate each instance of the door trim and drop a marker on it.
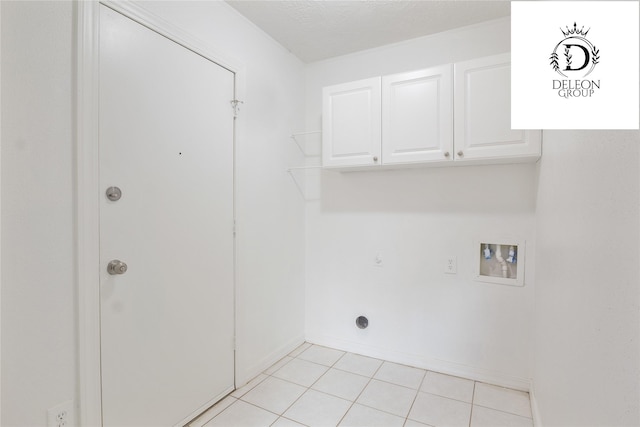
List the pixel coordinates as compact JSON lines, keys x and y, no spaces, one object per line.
{"x":0,"y":221}
{"x":87,"y":181}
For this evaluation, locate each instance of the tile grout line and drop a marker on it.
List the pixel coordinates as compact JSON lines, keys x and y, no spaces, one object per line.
{"x":309,"y":387}
{"x":354,"y":401}
{"x":239,"y":398}
{"x":255,"y":406}
{"x":473,"y":398}
{"x":349,"y":372}
{"x":265,"y":409}
{"x":235,"y":399}
{"x":380,"y":410}
{"x":400,"y":385}
{"x":325,"y":372}
{"x":289,"y":419}
{"x":361,"y":391}
{"x":473,"y":401}
{"x":248,"y":391}
{"x":332,"y":367}
{"x":280,"y":367}
{"x":447,"y":397}
{"x":504,"y":412}
{"x":424,"y":377}
{"x":216,"y":415}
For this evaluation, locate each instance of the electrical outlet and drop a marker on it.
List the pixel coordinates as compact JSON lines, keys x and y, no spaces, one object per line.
{"x":61,"y":415}
{"x":451,"y":265}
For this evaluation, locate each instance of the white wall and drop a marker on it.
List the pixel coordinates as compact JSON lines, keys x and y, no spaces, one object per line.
{"x":414,"y":219}
{"x":587,"y":303}
{"x":38,"y":288}
{"x":38,"y":283}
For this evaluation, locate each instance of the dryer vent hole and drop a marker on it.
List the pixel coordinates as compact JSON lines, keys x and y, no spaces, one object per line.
{"x":362,"y":322}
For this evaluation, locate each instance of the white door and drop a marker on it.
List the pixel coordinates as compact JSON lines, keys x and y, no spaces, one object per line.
{"x":417,"y":109}
{"x":351,"y":124}
{"x":166,"y":140}
{"x":483,"y":112}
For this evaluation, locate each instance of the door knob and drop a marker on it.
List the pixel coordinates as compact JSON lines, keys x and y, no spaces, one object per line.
{"x":446,"y":154}
{"x":460,"y":153}
{"x":116,"y":267}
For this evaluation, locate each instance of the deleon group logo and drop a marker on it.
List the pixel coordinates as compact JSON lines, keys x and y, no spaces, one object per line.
{"x":574,"y":58}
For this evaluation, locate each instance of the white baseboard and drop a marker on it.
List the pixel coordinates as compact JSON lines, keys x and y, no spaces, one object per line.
{"x":203,"y":408}
{"x":261,"y":365}
{"x":535,"y":410}
{"x":419,"y":361}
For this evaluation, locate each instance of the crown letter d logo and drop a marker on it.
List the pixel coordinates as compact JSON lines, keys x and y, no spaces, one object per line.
{"x":586,"y":57}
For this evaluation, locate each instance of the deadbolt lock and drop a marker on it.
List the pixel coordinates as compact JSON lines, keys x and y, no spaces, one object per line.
{"x":114,"y":194}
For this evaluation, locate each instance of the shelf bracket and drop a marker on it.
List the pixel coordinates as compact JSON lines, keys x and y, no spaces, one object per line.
{"x":290,"y":171}
{"x":295,"y":139}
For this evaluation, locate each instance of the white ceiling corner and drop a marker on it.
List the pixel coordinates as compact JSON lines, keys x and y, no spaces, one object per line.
{"x":314,"y":30}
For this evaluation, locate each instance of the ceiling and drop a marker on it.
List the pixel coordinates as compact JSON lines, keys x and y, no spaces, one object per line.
{"x":314,"y":30}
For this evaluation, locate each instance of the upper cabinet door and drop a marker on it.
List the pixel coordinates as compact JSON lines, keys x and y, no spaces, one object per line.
{"x":483,"y":113}
{"x":351,"y":124}
{"x":417,"y":111}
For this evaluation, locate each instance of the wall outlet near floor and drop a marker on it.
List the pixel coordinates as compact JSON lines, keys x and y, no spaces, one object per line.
{"x":451,"y":265}
{"x":61,"y":415}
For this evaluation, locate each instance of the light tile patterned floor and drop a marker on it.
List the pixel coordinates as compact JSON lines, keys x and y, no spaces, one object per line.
{"x":317,"y":386}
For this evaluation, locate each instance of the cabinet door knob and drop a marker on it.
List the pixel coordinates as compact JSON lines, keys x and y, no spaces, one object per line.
{"x":375,"y":158}
{"x":460,"y":153}
{"x":446,"y":154}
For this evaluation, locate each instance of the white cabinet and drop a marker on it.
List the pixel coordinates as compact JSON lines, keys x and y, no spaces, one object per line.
{"x":403,"y":118}
{"x":351,"y":123}
{"x":482,"y":118}
{"x":450,"y":114}
{"x":417,"y":124}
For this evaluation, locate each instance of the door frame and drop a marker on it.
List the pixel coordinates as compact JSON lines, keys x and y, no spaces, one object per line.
{"x":0,"y":219}
{"x":87,"y":180}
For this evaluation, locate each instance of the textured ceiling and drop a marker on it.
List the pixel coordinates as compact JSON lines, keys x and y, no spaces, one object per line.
{"x":319,"y":29}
